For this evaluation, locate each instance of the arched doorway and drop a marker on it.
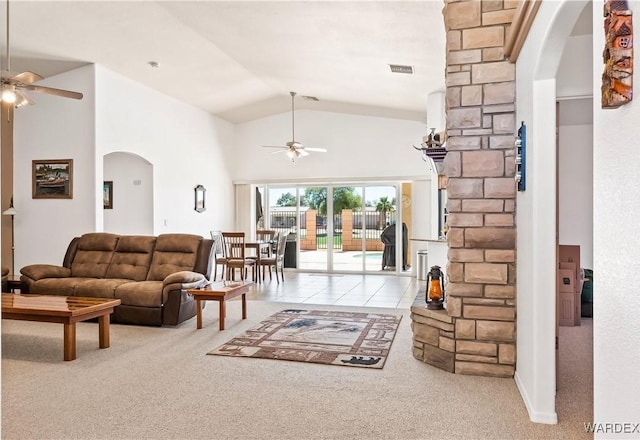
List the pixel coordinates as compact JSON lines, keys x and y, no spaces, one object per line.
{"x":537,"y":70}
{"x":131,"y":178}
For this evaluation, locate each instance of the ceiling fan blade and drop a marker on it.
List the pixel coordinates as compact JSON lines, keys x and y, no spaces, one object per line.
{"x":52,"y":91}
{"x":318,"y":149}
{"x":302,"y":153}
{"x":25,"y":78}
{"x":273,"y":146}
{"x":280,"y":151}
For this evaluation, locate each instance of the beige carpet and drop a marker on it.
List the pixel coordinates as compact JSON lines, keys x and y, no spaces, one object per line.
{"x":158,"y":383}
{"x":348,"y":339}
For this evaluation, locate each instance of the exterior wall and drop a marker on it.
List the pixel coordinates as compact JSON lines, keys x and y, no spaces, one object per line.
{"x":309,"y":242}
{"x":477,"y":335}
{"x":352,"y":243}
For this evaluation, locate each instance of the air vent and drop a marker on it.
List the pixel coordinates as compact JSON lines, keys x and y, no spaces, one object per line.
{"x":399,"y":68}
{"x":310,"y":98}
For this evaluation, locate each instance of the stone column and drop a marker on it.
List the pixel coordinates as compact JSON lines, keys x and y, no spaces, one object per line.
{"x":480,"y":319}
{"x":480,"y":166}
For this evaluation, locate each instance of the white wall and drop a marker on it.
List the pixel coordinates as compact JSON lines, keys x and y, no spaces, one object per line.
{"x":616,"y":208}
{"x":55,"y":128}
{"x":358,"y":147}
{"x":574,"y":76}
{"x":575,"y":179}
{"x":132,"y":197}
{"x":186,"y":147}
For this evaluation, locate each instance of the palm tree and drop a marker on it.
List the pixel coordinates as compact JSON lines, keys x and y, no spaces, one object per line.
{"x":383,"y":206}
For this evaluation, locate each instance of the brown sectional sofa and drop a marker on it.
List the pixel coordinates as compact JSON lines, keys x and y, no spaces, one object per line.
{"x":148,"y":274}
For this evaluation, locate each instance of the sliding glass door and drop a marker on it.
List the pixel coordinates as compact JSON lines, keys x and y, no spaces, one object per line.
{"x":339,"y":228}
{"x":284,"y":217}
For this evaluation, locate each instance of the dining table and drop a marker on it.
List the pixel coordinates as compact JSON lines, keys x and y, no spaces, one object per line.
{"x":258,"y":246}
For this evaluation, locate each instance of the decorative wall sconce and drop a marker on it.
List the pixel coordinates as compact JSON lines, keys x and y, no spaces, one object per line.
{"x":200,"y":192}
{"x":433,"y":147}
{"x":521,"y":158}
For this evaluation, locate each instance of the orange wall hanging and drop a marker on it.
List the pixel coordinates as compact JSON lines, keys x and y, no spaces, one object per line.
{"x":617,"y":79}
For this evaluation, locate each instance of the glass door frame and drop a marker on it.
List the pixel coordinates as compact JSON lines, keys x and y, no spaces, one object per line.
{"x":329,"y":268}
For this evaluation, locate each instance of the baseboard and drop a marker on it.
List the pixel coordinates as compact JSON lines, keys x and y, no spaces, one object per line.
{"x":549,"y":418}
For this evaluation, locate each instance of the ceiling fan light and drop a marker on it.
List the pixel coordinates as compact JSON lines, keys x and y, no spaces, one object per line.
{"x":8,"y":94}
{"x":21,"y":102}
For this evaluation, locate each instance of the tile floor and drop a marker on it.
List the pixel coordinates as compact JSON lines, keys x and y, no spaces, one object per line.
{"x":389,"y":291}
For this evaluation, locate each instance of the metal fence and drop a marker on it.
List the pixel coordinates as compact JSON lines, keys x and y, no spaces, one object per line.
{"x":374,"y":223}
{"x":322,"y":233}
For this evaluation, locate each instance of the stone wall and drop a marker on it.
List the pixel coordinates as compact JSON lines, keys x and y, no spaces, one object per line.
{"x":477,"y":332}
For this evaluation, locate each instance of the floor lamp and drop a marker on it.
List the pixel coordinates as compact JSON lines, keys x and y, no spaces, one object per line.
{"x":12,"y":212}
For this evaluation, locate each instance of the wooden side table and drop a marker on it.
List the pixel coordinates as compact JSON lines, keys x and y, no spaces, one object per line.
{"x":13,"y":283}
{"x":220,"y":292}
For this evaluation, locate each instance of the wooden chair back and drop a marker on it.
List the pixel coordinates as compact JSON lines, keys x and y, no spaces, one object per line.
{"x":234,"y":247}
{"x":265,"y":234}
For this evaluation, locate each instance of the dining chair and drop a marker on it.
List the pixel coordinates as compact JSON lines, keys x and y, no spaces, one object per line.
{"x":276,"y":261}
{"x":235,"y":254}
{"x":219,"y":254}
{"x":268,"y":235}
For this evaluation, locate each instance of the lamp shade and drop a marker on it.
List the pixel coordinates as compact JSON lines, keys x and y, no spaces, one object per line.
{"x":10,"y":211}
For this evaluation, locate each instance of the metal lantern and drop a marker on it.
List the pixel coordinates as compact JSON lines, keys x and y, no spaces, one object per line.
{"x":435,"y":289}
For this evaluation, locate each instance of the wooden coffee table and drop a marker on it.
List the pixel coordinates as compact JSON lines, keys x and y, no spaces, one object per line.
{"x":66,"y":310}
{"x":220,"y":292}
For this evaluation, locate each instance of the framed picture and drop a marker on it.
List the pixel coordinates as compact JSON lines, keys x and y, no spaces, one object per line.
{"x":199,"y":198}
{"x":107,"y":194}
{"x":52,"y":179}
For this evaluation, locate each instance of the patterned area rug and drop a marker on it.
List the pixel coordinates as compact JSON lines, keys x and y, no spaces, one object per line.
{"x":324,"y":337}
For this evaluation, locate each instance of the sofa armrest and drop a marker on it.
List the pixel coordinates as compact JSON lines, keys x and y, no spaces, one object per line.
{"x":181,"y":281}
{"x":184,"y":277}
{"x":39,"y":271}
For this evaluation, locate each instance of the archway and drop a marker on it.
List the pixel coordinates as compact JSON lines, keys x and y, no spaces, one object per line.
{"x":131,"y":210}
{"x":536,"y":106}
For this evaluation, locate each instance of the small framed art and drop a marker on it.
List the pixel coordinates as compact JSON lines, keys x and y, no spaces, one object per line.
{"x":52,"y":179}
{"x":107,"y":194}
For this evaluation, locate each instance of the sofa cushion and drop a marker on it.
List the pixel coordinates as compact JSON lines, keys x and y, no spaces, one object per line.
{"x":173,"y":253}
{"x":56,"y":286}
{"x":94,"y":254}
{"x":132,"y":257}
{"x":98,"y":288}
{"x":140,"y":293}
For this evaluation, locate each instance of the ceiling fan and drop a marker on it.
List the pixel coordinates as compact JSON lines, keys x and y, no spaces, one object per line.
{"x":14,"y":84}
{"x":293,"y":148}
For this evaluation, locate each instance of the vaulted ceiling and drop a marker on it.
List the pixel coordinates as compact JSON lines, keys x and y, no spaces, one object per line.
{"x":240,"y":59}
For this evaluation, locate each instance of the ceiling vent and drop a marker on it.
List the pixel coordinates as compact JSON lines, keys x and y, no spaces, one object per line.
{"x":399,"y":68}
